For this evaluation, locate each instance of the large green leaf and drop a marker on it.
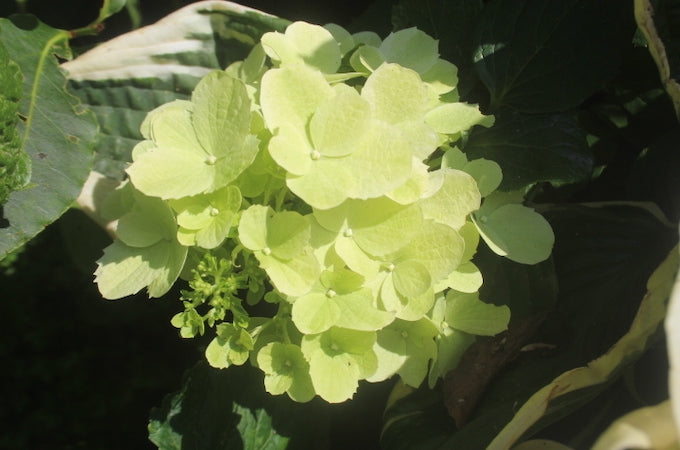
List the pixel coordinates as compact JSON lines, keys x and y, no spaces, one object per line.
{"x":550,"y":398}
{"x":57,"y":132}
{"x":533,"y":148}
{"x":538,"y":56}
{"x":603,"y":258}
{"x":229,"y":409}
{"x":126,"y":77}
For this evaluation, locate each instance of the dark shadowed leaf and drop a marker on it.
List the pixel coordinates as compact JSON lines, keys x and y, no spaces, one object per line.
{"x":538,"y":56}
{"x":229,"y":409}
{"x":533,"y":148}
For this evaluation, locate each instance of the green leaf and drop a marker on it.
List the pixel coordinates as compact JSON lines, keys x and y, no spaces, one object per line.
{"x":15,"y":165}
{"x":57,"y":132}
{"x":649,"y":317}
{"x":123,"y":79}
{"x":537,"y":57}
{"x":229,"y":409}
{"x":533,"y":148}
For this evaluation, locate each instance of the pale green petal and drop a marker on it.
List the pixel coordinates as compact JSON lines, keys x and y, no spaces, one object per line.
{"x":517,"y":232}
{"x":124,"y":270}
{"x":467,"y":313}
{"x":355,"y":258}
{"x":335,"y":378}
{"x":487,"y":174}
{"x":416,"y":307}
{"x":442,"y":76}
{"x":192,"y":212}
{"x":437,"y":247}
{"x":170,"y":125}
{"x":293,"y":277}
{"x":252,"y":228}
{"x":141,"y":147}
{"x":454,"y":159}
{"x":291,"y":95}
{"x":366,"y":59}
{"x":422,"y":139}
{"x":357,"y":312}
{"x":325,"y":186}
{"x":149,"y":221}
{"x":470,"y":235}
{"x":304,"y":42}
{"x":291,"y":150}
{"x":451,"y":344}
{"x":381,"y":226}
{"x":221,"y":113}
{"x":186,"y":237}
{"x":342,"y":281}
{"x":381,"y":162}
{"x":389,"y":298}
{"x":458,"y":197}
{"x":415,"y":187}
{"x":453,"y":118}
{"x":367,"y":38}
{"x":212,"y":235}
{"x":288,"y":234}
{"x":466,"y":278}
{"x":411,"y":48}
{"x":137,"y":229}
{"x":397,"y":94}
{"x":339,"y":123}
{"x":411,"y":279}
{"x":341,"y":36}
{"x":314,"y":313}
{"x":337,"y":358}
{"x":405,"y":348}
{"x":286,"y":370}
{"x":238,"y":158}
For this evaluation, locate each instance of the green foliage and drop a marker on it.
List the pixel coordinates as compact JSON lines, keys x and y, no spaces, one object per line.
{"x":359,"y":228}
{"x":56,"y":132}
{"x":15,"y":166}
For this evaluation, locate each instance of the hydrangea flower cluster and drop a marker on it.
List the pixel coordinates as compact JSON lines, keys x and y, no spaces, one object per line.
{"x":314,"y":198}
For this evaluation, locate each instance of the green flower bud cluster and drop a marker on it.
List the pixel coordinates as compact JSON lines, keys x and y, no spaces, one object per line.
{"x":319,"y":179}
